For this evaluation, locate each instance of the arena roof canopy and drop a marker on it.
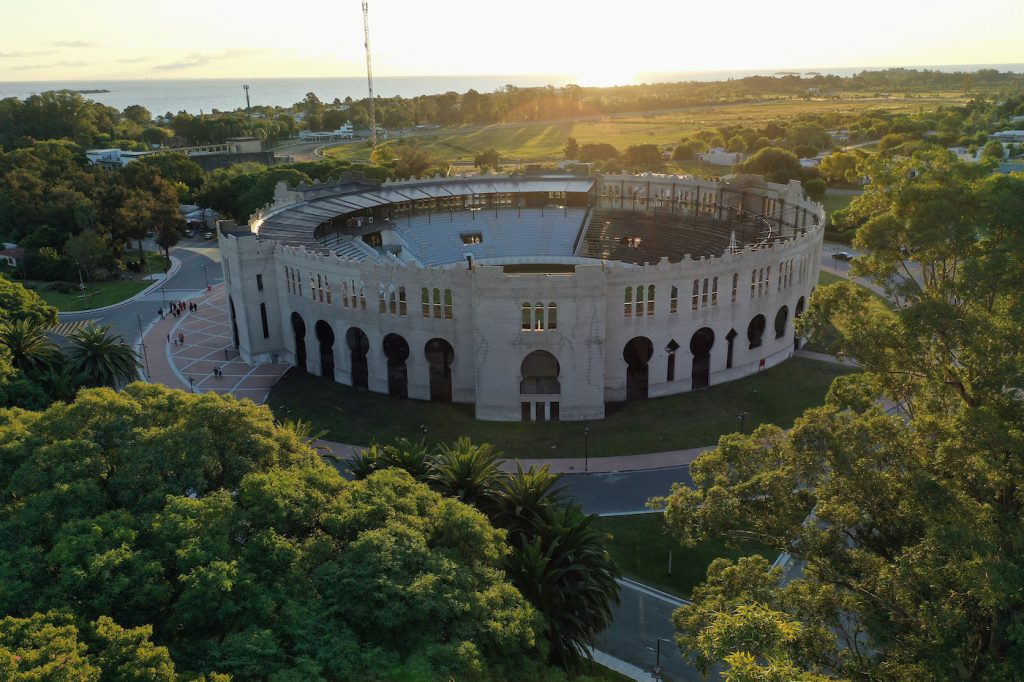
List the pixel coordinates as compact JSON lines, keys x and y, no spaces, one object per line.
{"x":298,"y":221}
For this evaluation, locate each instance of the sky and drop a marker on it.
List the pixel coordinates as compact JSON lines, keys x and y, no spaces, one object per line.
{"x":593,"y":42}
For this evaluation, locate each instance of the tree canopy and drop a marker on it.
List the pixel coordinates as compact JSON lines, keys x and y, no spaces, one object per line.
{"x":200,"y":518}
{"x":906,"y":522}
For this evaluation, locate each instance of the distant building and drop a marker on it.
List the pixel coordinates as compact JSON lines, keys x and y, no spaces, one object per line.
{"x":209,"y":156}
{"x":719,"y":157}
{"x":12,"y":254}
{"x":966,"y":155}
{"x":344,"y":132}
{"x":1008,"y":136}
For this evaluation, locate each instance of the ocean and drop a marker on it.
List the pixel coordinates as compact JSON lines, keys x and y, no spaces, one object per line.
{"x":226,"y":94}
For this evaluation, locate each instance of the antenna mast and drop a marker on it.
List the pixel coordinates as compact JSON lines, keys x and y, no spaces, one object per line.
{"x":369,"y":72}
{"x":248,"y":109}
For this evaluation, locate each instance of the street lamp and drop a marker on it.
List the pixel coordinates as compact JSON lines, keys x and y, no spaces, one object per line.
{"x":586,"y":449}
{"x":206,"y":278}
{"x":192,"y":384}
{"x":742,"y":416}
{"x":656,"y":672}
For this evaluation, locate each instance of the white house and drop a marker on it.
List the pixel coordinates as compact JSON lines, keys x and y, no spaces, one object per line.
{"x":719,"y":157}
{"x":344,"y":132}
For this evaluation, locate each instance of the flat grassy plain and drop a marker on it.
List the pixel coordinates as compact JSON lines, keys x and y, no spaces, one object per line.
{"x":96,"y":294}
{"x":640,"y":545}
{"x":545,"y":140}
{"x":687,"y":420}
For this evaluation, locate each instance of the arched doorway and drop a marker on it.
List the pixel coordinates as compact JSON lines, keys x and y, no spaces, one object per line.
{"x":440,"y":355}
{"x":730,"y":339}
{"x":234,"y":322}
{"x":540,"y":372}
{"x":397,"y":352}
{"x":325,"y":335}
{"x":781,"y":318}
{"x":637,"y":354}
{"x":796,"y":315}
{"x":670,"y":366}
{"x":358,"y":346}
{"x":299,"y":328}
{"x":700,"y":345}
{"x":755,"y":331}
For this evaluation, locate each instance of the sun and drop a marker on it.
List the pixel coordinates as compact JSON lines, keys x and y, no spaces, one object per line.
{"x":606,"y":75}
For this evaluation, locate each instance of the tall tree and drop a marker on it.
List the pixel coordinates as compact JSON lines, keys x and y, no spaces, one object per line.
{"x":102,"y":357}
{"x":909,"y":526}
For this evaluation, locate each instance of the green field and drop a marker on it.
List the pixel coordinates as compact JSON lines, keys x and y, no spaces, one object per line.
{"x":545,"y":140}
{"x":640,"y":546}
{"x":687,"y":420}
{"x":96,"y":294}
{"x":835,"y":202}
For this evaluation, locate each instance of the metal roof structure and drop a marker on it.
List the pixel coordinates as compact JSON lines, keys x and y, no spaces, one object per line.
{"x":296,"y":223}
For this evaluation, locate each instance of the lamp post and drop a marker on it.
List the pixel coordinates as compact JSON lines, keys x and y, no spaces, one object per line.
{"x":742,"y":416}
{"x":586,"y":449}
{"x":657,"y":671}
{"x":192,"y":384}
{"x":206,"y":277}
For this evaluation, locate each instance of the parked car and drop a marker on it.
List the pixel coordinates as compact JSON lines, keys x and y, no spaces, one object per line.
{"x":209,"y":234}
{"x":844,"y":256}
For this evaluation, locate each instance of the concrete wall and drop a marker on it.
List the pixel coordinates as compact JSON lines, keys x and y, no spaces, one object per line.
{"x":485,"y":329}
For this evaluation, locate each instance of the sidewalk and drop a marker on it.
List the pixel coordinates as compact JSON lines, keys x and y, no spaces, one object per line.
{"x":208,"y":345}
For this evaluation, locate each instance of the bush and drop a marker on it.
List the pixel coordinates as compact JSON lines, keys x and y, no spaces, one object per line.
{"x":815,"y":189}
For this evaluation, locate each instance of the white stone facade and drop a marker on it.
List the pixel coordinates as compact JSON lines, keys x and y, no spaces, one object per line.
{"x":479,"y":311}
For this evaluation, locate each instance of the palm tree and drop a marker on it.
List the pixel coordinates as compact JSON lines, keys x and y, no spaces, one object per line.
{"x":569,"y":577}
{"x":414,"y":457}
{"x":469,"y":473}
{"x":30,"y":350}
{"x":102,"y":358}
{"x":61,"y":383}
{"x":364,"y":462}
{"x":527,"y":501}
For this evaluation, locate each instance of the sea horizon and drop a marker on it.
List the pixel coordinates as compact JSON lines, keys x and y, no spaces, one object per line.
{"x":203,"y":95}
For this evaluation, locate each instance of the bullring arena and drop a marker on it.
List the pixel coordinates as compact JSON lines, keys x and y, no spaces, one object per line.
{"x":536,"y":297}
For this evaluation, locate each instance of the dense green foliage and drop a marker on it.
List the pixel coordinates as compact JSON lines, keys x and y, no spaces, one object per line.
{"x":912,"y":555}
{"x":200,"y":521}
{"x":556,"y":557}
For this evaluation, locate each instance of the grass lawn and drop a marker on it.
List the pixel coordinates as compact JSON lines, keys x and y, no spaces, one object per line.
{"x":96,"y":294}
{"x":694,"y":419}
{"x":641,"y":543}
{"x":545,"y":140}
{"x":834,"y":202}
{"x":100,"y":294}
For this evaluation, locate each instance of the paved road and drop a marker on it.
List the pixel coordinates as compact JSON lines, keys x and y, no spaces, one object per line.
{"x":190,"y":280}
{"x":623,"y":492}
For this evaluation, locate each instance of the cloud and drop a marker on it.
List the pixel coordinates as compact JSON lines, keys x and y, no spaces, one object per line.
{"x":198,"y":59}
{"x":74,"y":63}
{"x":75,"y":43}
{"x":134,"y":60}
{"x":17,"y":54}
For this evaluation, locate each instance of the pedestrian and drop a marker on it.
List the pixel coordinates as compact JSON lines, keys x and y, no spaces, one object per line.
{"x":181,"y":337}
{"x":160,"y":312}
{"x":168,"y":338}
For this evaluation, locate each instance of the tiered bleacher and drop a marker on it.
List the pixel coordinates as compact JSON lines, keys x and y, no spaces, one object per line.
{"x":640,"y":238}
{"x":504,"y":233}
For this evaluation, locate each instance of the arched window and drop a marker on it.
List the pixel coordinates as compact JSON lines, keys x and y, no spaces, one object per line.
{"x":362,"y":296}
{"x":704,"y":294}
{"x":538,"y":317}
{"x":527,"y":316}
{"x":753,"y":282}
{"x":640,"y":301}
{"x":714,"y":291}
{"x":392,"y":300}
{"x":381,"y":297}
{"x":449,"y":311}
{"x":425,"y":299}
{"x":319,"y":286}
{"x":695,"y":301}
{"x":735,"y":285}
{"x":650,"y":299}
{"x":673,"y":303}
{"x":402,"y":310}
{"x":437,"y":303}
{"x":627,"y":306}
{"x":552,"y":315}
{"x":327,"y":286}
{"x":263,"y":319}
